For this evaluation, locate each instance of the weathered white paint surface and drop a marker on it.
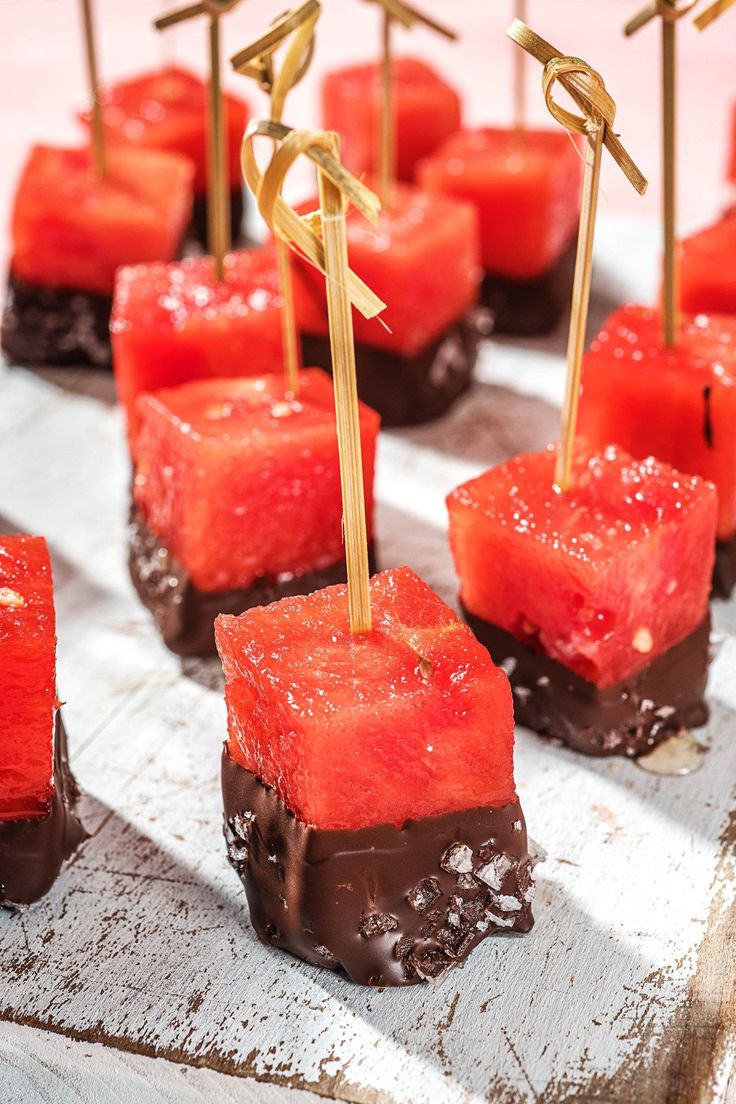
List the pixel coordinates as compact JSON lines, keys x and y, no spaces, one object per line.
{"x":145,"y":943}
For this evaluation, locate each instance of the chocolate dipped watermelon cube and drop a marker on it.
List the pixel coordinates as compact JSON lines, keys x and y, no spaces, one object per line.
{"x":678,"y":404}
{"x":172,"y":323}
{"x":707,"y":269}
{"x":595,"y":599}
{"x":38,"y":826}
{"x":427,"y":110}
{"x":370,"y":806}
{"x":526,"y":190}
{"x":237,"y":499}
{"x":422,"y":259}
{"x":71,"y":229}
{"x":168,"y":110}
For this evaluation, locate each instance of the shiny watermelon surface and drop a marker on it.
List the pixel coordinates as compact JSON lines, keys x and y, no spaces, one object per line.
{"x":408,"y":720}
{"x":708,"y":269}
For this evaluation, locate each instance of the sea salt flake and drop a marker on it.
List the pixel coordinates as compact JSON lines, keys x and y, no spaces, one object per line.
{"x":424,"y":894}
{"x":493,"y":872}
{"x":458,"y":858}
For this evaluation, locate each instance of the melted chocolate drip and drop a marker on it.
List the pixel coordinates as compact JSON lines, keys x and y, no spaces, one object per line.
{"x":629,"y":718}
{"x":184,"y":614}
{"x":384,"y":905}
{"x":411,"y":390}
{"x":528,"y":307}
{"x":724,"y":569}
{"x":32,"y":851}
{"x":55,"y":326}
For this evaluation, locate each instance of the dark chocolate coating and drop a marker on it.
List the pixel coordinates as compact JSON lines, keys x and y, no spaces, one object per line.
{"x":385,"y":905}
{"x":528,"y":307}
{"x":33,"y":851}
{"x":184,"y":614}
{"x":411,"y":390}
{"x":724,"y":569}
{"x":55,"y":326}
{"x":198,"y":228}
{"x":629,"y":718}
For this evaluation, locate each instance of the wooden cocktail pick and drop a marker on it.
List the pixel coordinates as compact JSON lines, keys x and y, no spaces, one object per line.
{"x":257,"y":61}
{"x":587,"y":90}
{"x":399,"y":12}
{"x":322,"y":239}
{"x":669,"y":13}
{"x":711,"y":13}
{"x":218,"y":208}
{"x":98,"y":130}
{"x":520,"y":76}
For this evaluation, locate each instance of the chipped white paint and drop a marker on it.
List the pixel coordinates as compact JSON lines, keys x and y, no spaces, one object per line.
{"x":145,"y":941}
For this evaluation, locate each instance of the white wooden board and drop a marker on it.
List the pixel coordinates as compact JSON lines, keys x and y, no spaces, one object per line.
{"x":624,"y":990}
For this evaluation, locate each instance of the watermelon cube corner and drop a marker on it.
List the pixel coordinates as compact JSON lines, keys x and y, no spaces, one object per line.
{"x":706,"y":269}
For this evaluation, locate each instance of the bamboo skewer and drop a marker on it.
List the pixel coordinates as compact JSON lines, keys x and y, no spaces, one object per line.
{"x":256,"y":60}
{"x":712,"y":13}
{"x":588,"y":91}
{"x":328,"y":251}
{"x":520,"y":78}
{"x":98,"y":129}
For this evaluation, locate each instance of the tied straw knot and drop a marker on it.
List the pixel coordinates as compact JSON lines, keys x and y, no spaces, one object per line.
{"x":590,"y":94}
{"x":212,"y":8}
{"x":667,"y":10}
{"x":257,"y":59}
{"x":301,"y":232}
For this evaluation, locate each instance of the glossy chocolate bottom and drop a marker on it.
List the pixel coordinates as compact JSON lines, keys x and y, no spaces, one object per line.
{"x":527,"y":307}
{"x":411,"y":390}
{"x":629,"y":718}
{"x":184,"y":614}
{"x":384,"y":905}
{"x":55,"y":326}
{"x":199,"y":217}
{"x":724,"y":569}
{"x":33,"y":851}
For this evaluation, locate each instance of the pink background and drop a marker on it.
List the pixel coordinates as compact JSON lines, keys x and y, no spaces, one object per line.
{"x":42,"y":77}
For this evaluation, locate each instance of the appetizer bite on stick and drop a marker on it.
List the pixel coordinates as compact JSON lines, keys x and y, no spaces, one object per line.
{"x":39,"y":829}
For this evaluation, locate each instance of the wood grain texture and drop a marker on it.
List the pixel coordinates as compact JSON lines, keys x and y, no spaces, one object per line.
{"x":625,"y":989}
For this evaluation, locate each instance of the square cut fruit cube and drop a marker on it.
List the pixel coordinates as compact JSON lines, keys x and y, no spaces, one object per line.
{"x":241,"y":482}
{"x":167,"y":110}
{"x":707,"y":269}
{"x":172,"y":323}
{"x":409,"y":720}
{"x":603,"y":578}
{"x":421,"y":259}
{"x":677,"y":404}
{"x":27,"y":678}
{"x":427,"y":111}
{"x":526,"y":192}
{"x":71,"y":229}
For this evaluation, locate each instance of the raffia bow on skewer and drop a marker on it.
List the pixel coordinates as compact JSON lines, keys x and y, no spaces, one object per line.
{"x":256,"y":60}
{"x":711,"y":14}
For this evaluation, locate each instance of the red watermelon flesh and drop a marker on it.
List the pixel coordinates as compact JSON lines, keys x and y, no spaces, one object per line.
{"x":73,"y":229}
{"x":172,"y":323}
{"x":677,"y":404}
{"x":526,"y":191}
{"x":242,"y":482}
{"x":167,"y":110}
{"x":421,"y":260}
{"x":27,"y":678}
{"x":427,"y":111}
{"x":603,"y":578}
{"x":708,"y":269}
{"x":409,"y":720}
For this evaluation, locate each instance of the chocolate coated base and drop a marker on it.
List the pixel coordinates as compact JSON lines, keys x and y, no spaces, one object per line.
{"x":199,"y":217}
{"x":528,"y":307}
{"x":384,"y":905}
{"x":184,"y":614}
{"x":33,"y":851}
{"x":55,"y":326}
{"x":629,"y":718}
{"x":724,"y":569}
{"x":411,"y":390}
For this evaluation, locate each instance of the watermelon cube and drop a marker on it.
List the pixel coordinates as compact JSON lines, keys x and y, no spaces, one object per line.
{"x":27,"y":678}
{"x":427,"y":111}
{"x":407,"y":721}
{"x":526,"y":191}
{"x":172,"y":323}
{"x":603,"y":578}
{"x":240,"y":482}
{"x":708,"y":269}
{"x":168,"y":110}
{"x":678,"y":404}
